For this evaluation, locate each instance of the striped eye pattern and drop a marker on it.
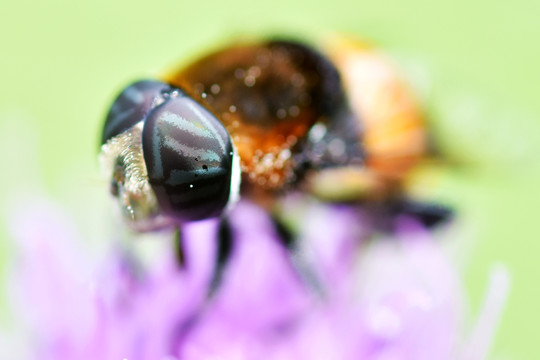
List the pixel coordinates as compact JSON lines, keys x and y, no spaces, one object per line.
{"x":189,"y":157}
{"x":187,"y":152}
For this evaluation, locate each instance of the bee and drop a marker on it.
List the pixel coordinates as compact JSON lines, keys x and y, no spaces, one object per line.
{"x":258,"y":120}
{"x":259,"y":114}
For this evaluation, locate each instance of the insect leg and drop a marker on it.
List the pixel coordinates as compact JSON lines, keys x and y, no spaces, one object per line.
{"x":300,"y":264}
{"x":429,"y":214}
{"x":223,"y":254}
{"x":179,"y":251}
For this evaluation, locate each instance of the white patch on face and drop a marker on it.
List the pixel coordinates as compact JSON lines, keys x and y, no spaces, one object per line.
{"x":137,"y":200}
{"x":127,"y":147}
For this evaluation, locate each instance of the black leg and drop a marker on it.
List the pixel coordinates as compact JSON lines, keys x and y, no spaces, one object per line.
{"x":179,"y":250}
{"x":285,"y":236}
{"x":429,"y":214}
{"x":224,"y":250}
{"x":300,"y":264}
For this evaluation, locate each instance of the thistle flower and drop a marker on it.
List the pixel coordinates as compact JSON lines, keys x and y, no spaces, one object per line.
{"x":395,"y":298}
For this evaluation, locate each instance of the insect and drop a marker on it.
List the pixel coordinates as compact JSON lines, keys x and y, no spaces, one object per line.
{"x":260,"y":114}
{"x":257,"y":120}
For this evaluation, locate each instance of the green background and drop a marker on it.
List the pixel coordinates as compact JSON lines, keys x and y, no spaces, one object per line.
{"x":472,"y":62}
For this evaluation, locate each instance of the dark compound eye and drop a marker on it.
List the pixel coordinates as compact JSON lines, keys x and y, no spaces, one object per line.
{"x":131,"y":106}
{"x":189,"y":158}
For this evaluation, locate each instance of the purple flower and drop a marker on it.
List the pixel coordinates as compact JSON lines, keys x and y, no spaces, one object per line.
{"x":338,"y":297}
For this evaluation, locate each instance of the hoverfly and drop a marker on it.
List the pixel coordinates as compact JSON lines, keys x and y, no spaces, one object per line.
{"x":257,"y":120}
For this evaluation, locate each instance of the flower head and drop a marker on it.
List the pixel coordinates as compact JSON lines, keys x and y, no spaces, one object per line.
{"x":337,"y":297}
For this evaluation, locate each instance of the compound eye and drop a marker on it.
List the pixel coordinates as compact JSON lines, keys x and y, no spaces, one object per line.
{"x":131,"y":106}
{"x":189,"y":159}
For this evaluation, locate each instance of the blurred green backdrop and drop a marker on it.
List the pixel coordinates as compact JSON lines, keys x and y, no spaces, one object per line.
{"x":473,"y":63}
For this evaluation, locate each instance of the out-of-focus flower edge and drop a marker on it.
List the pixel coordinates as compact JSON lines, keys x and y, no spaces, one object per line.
{"x":396,"y":298}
